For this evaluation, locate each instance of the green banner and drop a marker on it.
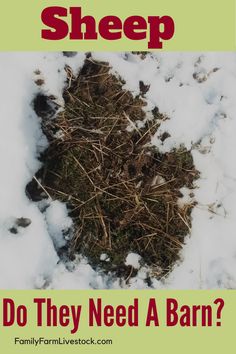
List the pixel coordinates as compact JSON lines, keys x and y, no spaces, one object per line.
{"x":116,"y":321}
{"x":202,"y":25}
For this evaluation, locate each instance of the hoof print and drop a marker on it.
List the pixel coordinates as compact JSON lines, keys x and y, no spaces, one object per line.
{"x":19,"y":223}
{"x":23,"y":222}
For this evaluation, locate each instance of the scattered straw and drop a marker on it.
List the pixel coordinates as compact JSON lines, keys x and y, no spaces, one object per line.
{"x":121,"y":192}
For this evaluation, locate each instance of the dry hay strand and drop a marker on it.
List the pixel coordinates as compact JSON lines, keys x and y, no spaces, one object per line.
{"x":122,"y":193}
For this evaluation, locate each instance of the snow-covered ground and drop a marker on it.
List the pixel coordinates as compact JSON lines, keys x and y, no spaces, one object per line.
{"x":197,"y":91}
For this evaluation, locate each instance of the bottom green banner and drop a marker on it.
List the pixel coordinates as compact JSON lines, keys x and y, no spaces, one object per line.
{"x":112,"y":321}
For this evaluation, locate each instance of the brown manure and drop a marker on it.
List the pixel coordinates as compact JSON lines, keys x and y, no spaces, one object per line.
{"x":122,"y":193}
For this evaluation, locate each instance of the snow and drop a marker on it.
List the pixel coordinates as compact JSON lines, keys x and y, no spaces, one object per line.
{"x":133,"y":259}
{"x":197,"y":93}
{"x":59,"y":224}
{"x":29,"y":255}
{"x":104,"y":257}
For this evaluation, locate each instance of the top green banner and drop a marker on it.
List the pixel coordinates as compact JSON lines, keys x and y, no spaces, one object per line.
{"x":104,"y":25}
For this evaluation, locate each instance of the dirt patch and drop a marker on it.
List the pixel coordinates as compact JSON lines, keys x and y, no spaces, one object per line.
{"x":122,"y":192}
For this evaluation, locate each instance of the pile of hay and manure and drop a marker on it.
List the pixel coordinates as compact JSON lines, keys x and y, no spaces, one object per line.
{"x":121,"y":192}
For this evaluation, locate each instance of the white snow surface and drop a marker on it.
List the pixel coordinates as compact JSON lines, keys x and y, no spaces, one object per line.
{"x":197,"y":91}
{"x":133,"y":259}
